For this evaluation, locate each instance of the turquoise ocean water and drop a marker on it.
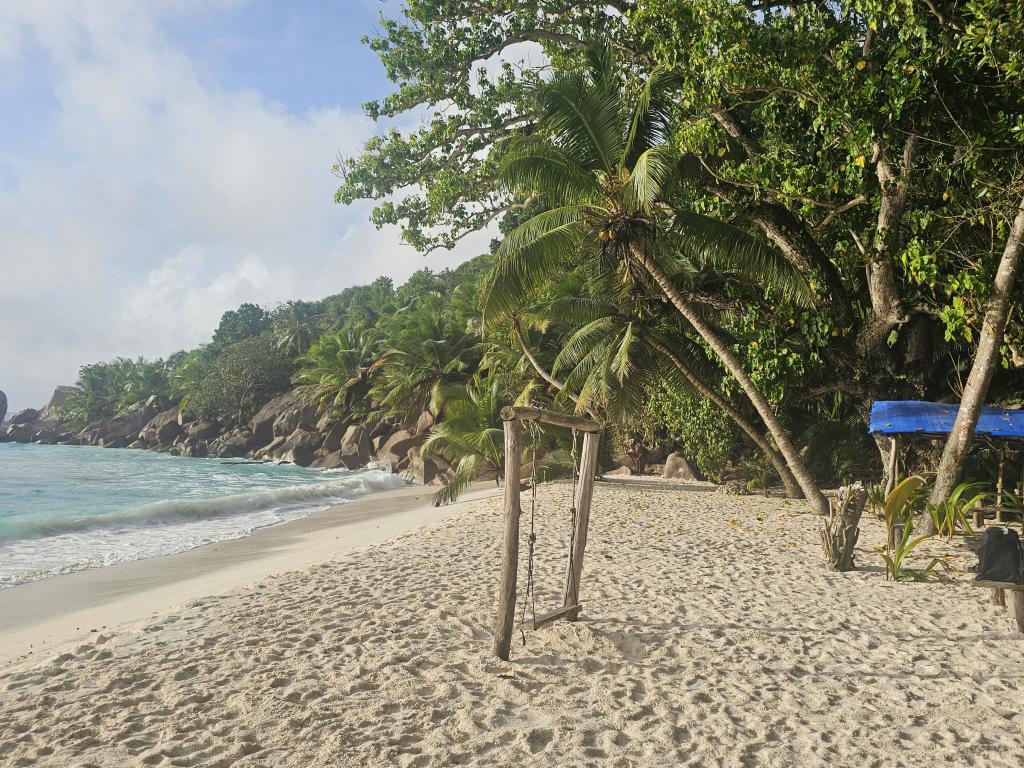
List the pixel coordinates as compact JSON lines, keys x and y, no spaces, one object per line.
{"x":67,"y":508}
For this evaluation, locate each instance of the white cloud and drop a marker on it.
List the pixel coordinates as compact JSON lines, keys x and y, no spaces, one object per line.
{"x":155,"y":201}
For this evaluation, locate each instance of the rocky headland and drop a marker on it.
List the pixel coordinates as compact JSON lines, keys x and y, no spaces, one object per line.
{"x":287,"y":428}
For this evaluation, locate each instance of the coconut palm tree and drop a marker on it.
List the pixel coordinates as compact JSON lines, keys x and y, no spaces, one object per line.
{"x":294,"y":328}
{"x":340,"y":369}
{"x":471,"y":437}
{"x":603,"y":163}
{"x":427,"y":353}
{"x":188,"y":375}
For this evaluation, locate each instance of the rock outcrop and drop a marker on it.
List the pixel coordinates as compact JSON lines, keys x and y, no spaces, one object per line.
{"x":355,"y":448}
{"x":162,"y":430}
{"x":3,"y":406}
{"x":393,"y":450}
{"x":56,"y":403}
{"x":677,"y":467}
{"x":287,"y":428}
{"x":37,"y":426}
{"x":27,"y":416}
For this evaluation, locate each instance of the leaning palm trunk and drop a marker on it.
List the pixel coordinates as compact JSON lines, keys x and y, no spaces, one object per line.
{"x":788,"y":481}
{"x":985,"y":360}
{"x":560,"y":386}
{"x":732,"y":364}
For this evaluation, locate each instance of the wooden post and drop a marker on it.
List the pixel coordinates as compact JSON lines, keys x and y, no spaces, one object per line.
{"x":504,"y":623}
{"x":1017,"y":608}
{"x":999,"y":486}
{"x":574,"y":568}
{"x":893,"y":456}
{"x":998,"y":596}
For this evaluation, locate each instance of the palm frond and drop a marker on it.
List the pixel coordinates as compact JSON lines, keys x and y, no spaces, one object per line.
{"x":726,"y":247}
{"x":530,"y":164}
{"x":585,"y":119}
{"x":651,"y":114}
{"x":527,"y":256}
{"x":582,"y":342}
{"x":651,"y":172}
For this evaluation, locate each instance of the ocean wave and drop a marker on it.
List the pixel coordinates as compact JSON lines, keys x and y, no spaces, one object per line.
{"x":190,"y":510}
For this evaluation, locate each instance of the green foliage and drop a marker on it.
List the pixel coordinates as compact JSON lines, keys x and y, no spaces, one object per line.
{"x":784,"y":120}
{"x":840,"y":451}
{"x":471,"y":437}
{"x":706,"y":434}
{"x":112,"y":389}
{"x":955,"y":511}
{"x":239,"y":324}
{"x":243,"y":376}
{"x":188,"y":374}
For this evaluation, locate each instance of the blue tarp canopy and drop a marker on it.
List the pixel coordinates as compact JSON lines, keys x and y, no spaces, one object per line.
{"x":910,"y":417}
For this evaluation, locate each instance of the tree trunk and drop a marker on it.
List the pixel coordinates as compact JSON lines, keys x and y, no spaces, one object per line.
{"x":791,"y":237}
{"x":788,"y":481}
{"x":886,"y":312}
{"x":514,"y":322}
{"x":985,"y":360}
{"x":841,"y":530}
{"x":733,"y":365}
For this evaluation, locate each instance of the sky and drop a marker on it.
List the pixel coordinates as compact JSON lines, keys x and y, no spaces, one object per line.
{"x":163,"y":162}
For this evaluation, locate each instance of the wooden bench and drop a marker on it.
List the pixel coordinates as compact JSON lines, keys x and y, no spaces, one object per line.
{"x":999,"y":590}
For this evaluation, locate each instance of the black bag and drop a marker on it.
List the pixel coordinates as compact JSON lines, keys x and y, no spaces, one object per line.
{"x":999,"y":557}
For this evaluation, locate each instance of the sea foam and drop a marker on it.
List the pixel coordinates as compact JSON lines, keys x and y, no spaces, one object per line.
{"x":65,"y":509}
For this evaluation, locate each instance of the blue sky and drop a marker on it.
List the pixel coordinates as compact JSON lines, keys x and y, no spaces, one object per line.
{"x":162,"y":162}
{"x":302,"y":54}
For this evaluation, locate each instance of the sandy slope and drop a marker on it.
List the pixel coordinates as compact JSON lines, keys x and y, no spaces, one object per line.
{"x":711,"y":636}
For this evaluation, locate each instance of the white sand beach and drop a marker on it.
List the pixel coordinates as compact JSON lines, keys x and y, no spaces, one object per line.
{"x":711,"y":635}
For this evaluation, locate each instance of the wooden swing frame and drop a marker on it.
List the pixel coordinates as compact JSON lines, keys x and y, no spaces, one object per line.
{"x":513,"y":418}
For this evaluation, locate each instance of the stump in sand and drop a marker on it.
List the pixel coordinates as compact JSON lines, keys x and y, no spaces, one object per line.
{"x":840,"y":531}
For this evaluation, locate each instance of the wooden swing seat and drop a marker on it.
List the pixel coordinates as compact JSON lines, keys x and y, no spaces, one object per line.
{"x":569,"y":612}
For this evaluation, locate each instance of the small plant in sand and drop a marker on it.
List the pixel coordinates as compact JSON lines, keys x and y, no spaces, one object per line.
{"x":762,"y":477}
{"x":954,"y":512}
{"x":876,"y":499}
{"x":1014,"y":503}
{"x":900,"y":541}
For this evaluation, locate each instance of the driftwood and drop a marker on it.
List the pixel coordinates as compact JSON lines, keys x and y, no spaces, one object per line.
{"x":840,"y":531}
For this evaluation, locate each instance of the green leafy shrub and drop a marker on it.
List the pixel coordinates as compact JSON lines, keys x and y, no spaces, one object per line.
{"x":241,"y":378}
{"x":706,"y":434}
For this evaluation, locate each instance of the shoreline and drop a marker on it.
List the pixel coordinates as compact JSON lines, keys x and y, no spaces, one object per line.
{"x":40,"y":617}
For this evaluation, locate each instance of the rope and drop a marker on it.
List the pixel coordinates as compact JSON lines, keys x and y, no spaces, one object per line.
{"x":572,"y":516}
{"x":528,"y":595}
